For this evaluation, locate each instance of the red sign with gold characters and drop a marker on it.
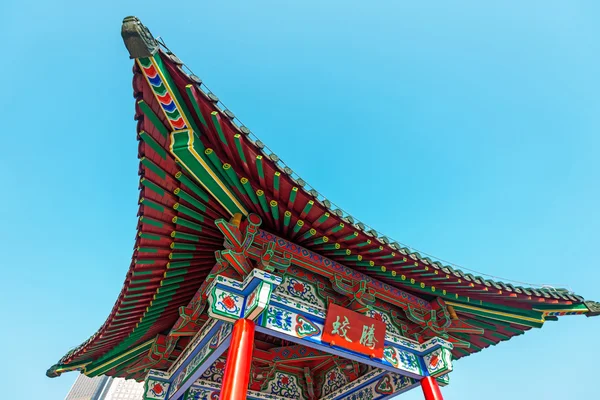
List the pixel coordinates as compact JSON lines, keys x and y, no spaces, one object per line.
{"x":354,"y":331}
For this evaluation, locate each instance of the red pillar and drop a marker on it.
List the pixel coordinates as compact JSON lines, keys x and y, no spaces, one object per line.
{"x":239,"y":359}
{"x":431,"y":390}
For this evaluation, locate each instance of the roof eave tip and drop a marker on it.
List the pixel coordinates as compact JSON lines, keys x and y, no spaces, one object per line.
{"x":593,"y":307}
{"x":53,"y":372}
{"x":137,"y":38}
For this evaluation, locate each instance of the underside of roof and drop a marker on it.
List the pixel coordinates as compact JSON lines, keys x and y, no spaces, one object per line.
{"x":176,"y":236}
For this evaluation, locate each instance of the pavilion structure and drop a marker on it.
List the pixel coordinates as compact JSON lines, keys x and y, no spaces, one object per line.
{"x":247,"y":283}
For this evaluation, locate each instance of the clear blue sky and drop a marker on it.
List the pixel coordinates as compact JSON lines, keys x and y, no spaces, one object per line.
{"x":469,"y":131}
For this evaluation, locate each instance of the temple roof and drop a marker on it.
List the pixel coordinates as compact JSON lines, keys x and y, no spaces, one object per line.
{"x":176,"y":237}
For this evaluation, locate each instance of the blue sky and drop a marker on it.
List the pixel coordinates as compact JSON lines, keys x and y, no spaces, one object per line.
{"x":466,"y":129}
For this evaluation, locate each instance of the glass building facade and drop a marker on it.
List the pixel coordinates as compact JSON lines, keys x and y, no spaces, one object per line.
{"x":105,"y":388}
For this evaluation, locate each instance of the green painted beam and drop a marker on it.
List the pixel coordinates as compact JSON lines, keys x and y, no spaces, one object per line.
{"x":233,"y":178}
{"x":153,"y":167}
{"x":153,"y":118}
{"x":292,"y":198}
{"x":196,"y":162}
{"x":188,"y":212}
{"x":237,"y":138}
{"x":182,"y":194}
{"x":195,"y":105}
{"x":146,"y":138}
{"x":192,"y":186}
{"x":262,"y":200}
{"x":274,"y":209}
{"x":214,"y":116}
{"x":298,"y":226}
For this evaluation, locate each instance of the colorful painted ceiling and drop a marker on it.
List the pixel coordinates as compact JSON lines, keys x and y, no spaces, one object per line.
{"x":199,"y":164}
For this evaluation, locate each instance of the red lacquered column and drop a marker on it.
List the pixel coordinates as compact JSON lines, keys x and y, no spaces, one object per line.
{"x":239,"y":359}
{"x":431,"y":390}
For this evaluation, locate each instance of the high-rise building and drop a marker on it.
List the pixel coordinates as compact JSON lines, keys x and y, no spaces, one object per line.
{"x":86,"y":388}
{"x":105,"y":388}
{"x":124,"y":389}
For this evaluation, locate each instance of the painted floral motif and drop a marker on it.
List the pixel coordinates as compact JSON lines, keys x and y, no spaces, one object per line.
{"x":402,"y":359}
{"x":354,"y":384}
{"x":305,"y":327}
{"x":156,"y":389}
{"x":215,"y":372}
{"x":401,"y":381}
{"x":202,"y":394}
{"x":229,"y":302}
{"x":229,"y":282}
{"x":284,"y":385}
{"x":154,"y":373}
{"x":384,"y":385}
{"x":226,"y":329}
{"x":390,"y":354}
{"x":333,"y":380}
{"x":434,"y":361}
{"x":409,"y":362}
{"x":202,"y":383}
{"x":279,"y":318}
{"x":300,"y":306}
{"x":178,"y":381}
{"x":438,"y":361}
{"x":301,"y":290}
{"x":364,"y":394}
{"x":266,"y":276}
{"x":257,"y":299}
{"x":252,"y":299}
{"x":436,"y":341}
{"x":202,"y":355}
{"x":409,"y":344}
{"x":225,"y":305}
{"x":195,"y":342}
{"x":384,"y":317}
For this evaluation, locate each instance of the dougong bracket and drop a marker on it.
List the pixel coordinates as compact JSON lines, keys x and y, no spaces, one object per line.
{"x":356,"y":291}
{"x":160,"y":350}
{"x":270,"y":261}
{"x":232,"y":231}
{"x":237,"y":245}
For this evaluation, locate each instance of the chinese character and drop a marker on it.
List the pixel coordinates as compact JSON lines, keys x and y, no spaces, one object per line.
{"x":368,"y":336}
{"x":341,"y":328}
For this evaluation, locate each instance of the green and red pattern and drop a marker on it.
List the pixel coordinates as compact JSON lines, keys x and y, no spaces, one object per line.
{"x":197,"y":165}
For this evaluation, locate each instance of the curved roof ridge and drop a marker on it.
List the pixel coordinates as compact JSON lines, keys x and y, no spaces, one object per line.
{"x":338,"y":211}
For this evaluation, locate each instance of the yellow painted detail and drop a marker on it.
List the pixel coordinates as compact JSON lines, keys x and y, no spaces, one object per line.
{"x":236,"y":219}
{"x":498,"y":313}
{"x":208,"y":170}
{"x":121,"y":356}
